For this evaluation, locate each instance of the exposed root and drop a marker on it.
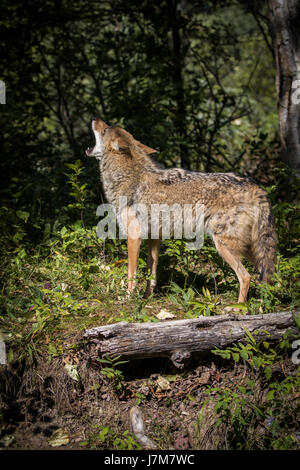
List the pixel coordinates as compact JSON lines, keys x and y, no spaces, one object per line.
{"x":137,"y":424}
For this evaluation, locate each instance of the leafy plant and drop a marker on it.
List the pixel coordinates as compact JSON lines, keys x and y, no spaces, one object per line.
{"x":79,"y":192}
{"x":106,"y":438}
{"x":181,"y":296}
{"x":140,"y":313}
{"x":112,"y":372}
{"x":188,"y":300}
{"x":207,"y":305}
{"x":259,"y":355}
{"x":242,"y":410}
{"x":51,"y":308}
{"x":139,"y":397}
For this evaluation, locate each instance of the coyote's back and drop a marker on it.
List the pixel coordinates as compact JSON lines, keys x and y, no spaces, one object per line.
{"x":237,"y":212}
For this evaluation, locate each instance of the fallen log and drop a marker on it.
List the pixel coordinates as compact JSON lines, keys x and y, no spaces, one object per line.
{"x":179,"y":339}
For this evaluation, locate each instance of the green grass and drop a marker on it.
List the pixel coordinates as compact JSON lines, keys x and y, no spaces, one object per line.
{"x":74,"y":281}
{"x":70,"y":281}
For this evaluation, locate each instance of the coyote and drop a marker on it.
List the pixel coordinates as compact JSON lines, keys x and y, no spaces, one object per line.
{"x":237,"y":214}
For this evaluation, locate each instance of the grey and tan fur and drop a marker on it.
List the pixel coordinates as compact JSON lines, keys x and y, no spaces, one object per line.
{"x":237,"y":214}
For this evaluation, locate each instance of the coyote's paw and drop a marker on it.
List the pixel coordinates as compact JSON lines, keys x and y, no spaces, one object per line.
{"x":149,"y":289}
{"x":129,"y":293}
{"x":147,"y":293}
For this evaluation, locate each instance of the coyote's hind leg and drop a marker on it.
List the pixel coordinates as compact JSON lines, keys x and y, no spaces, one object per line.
{"x":235,"y":263}
{"x":153,"y":253}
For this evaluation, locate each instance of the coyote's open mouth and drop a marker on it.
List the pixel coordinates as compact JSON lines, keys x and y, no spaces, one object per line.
{"x":97,"y":150}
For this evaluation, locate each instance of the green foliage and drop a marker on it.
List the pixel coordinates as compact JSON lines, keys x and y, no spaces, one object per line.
{"x":187,"y":299}
{"x":181,"y":296}
{"x":140,"y":313}
{"x":112,"y":372}
{"x":106,"y":438}
{"x":243,"y":411}
{"x":204,"y":97}
{"x":72,"y":274}
{"x":257,"y":354}
{"x":139,"y":397}
{"x":52,"y":307}
{"x":79,"y":192}
{"x":207,"y":305}
{"x":284,"y":289}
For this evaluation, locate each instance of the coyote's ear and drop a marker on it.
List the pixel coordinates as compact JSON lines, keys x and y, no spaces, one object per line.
{"x":125,"y":142}
{"x":115,"y":145}
{"x":145,"y":148}
{"x":120,"y":144}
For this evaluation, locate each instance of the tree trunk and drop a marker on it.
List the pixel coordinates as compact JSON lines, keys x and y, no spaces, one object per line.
{"x":285,"y":24}
{"x":177,"y":72}
{"x":178,"y":339}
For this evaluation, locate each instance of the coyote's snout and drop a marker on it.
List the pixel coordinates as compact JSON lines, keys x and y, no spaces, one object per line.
{"x":112,"y":138}
{"x":237,"y":214}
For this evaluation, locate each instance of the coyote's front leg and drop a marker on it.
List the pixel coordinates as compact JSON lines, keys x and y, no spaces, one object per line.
{"x":133,"y":258}
{"x":133,"y":243}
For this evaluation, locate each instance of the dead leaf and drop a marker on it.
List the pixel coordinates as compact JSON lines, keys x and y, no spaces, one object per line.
{"x":164,"y":315}
{"x":72,"y":372}
{"x":120,"y":261}
{"x":181,"y":443}
{"x":7,"y":440}
{"x":204,"y":378}
{"x":162,"y":383}
{"x":59,"y":438}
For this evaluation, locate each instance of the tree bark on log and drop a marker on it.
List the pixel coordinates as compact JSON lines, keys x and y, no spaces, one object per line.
{"x":284,"y":22}
{"x":179,"y":339}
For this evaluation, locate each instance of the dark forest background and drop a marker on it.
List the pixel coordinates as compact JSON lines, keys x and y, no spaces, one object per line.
{"x":194,"y":80}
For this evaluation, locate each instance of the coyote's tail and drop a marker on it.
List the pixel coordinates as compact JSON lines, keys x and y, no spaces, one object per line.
{"x":264,"y":240}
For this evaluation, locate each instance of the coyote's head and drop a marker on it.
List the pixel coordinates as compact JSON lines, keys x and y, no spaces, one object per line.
{"x":112,"y":138}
